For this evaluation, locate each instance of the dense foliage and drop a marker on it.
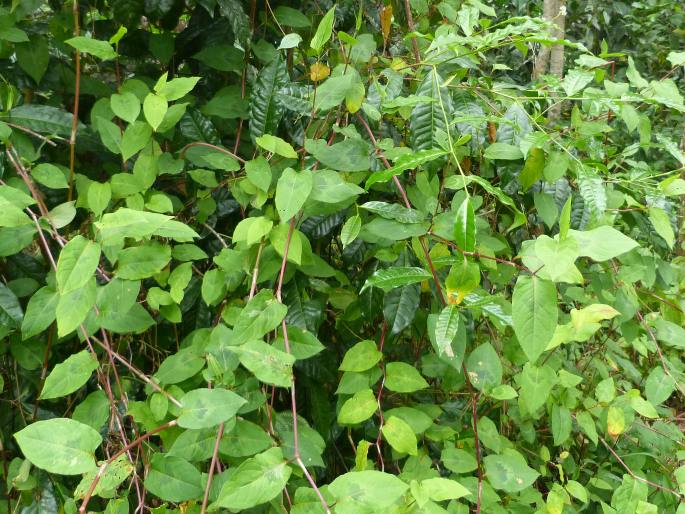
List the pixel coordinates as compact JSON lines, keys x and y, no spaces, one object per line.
{"x":305,"y":257}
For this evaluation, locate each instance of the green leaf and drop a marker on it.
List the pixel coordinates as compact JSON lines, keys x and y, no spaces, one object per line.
{"x":262,"y":314}
{"x":352,"y":154}
{"x":662,"y":224}
{"x":244,"y":440}
{"x":291,"y":40}
{"x":484,"y":367}
{"x":399,"y":435}
{"x":265,"y":111}
{"x":350,"y":230}
{"x":292,"y":191}
{"x":34,"y":57}
{"x":602,"y":243}
{"x":659,"y":386}
{"x":143,"y":261}
{"x":394,"y":211}
{"x":408,"y":161}
{"x":268,"y":364}
{"x":465,"y":227}
{"x":206,"y":408}
{"x":69,"y":376}
{"x":362,"y":356}
{"x":670,"y":333}
{"x":126,"y":106}
{"x":173,"y":479}
{"x":10,"y":310}
{"x":109,"y":480}
{"x":176,"y":88}
{"x":389,"y":278}
{"x":323,"y":31}
{"x":509,"y":472}
{"x":155,"y":108}
{"x":77,"y":263}
{"x":73,"y":307}
{"x":367,"y":489}
{"x":446,"y":328}
{"x":276,"y":145}
{"x":441,"y":489}
{"x":135,"y":138}
{"x":428,"y":120}
{"x":50,"y":176}
{"x":576,"y":80}
{"x":59,"y":445}
{"x":40,"y":312}
{"x":536,"y":385}
{"x":358,"y":408}
{"x":533,"y":168}
{"x":503,"y":151}
{"x":587,"y":424}
{"x":401,"y":377}
{"x":100,"y":49}
{"x":258,"y":172}
{"x":534,"y":313}
{"x":257,"y":480}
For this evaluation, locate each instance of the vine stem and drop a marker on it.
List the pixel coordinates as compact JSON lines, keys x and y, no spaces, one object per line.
{"x":129,"y":446}
{"x":77,"y":94}
{"x":293,"y":396}
{"x":212,"y":466}
{"x":424,"y":247}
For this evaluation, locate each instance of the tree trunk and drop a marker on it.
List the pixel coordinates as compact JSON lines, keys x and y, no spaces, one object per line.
{"x":549,"y":11}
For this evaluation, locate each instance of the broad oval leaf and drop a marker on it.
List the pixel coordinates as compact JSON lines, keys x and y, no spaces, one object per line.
{"x":534,"y":313}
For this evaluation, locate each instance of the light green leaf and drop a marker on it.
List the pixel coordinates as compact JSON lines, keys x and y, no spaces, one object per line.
{"x":359,"y":408}
{"x":77,"y":263}
{"x":503,"y":151}
{"x":73,"y":307}
{"x":350,"y":230}
{"x":69,"y":376}
{"x":173,"y":479}
{"x":138,"y":262}
{"x":659,"y":386}
{"x":100,"y":49}
{"x":362,"y":356}
{"x":59,"y":445}
{"x":323,"y":31}
{"x":484,"y":367}
{"x":50,"y":176}
{"x":136,"y":137}
{"x":662,"y":224}
{"x":40,"y":312}
{"x":509,"y":472}
{"x":536,"y":385}
{"x":206,"y":408}
{"x":276,"y":145}
{"x":292,"y":191}
{"x":259,"y":173}
{"x":126,"y":106}
{"x":154,"y":108}
{"x":465,"y":227}
{"x":401,"y":377}
{"x":262,"y":314}
{"x":441,"y":489}
{"x":534,"y":313}
{"x":268,"y":364}
{"x":367,"y":488}
{"x":257,"y":480}
{"x":291,"y":40}
{"x":176,"y":88}
{"x":394,"y":211}
{"x":576,"y":80}
{"x":602,"y":243}
{"x":399,"y":435}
